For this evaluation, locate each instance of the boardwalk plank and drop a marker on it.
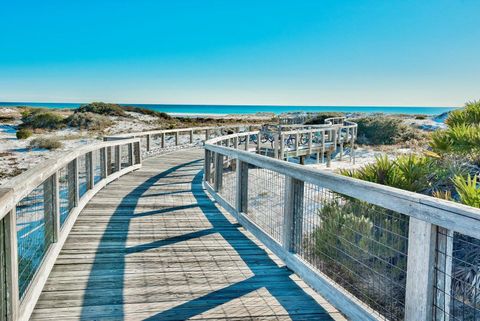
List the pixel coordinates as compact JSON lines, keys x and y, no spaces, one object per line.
{"x":152,"y":245}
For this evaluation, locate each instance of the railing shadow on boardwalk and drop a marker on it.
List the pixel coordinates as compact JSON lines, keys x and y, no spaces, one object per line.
{"x":291,"y":296}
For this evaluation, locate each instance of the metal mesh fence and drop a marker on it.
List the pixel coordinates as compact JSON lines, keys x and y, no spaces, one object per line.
{"x":136,"y":153}
{"x":457,"y":277}
{"x":66,"y":185}
{"x":124,"y":156}
{"x":266,"y":200}
{"x":82,"y":175}
{"x":360,"y":246}
{"x":34,"y":232}
{"x":97,"y":166}
{"x":229,"y":181}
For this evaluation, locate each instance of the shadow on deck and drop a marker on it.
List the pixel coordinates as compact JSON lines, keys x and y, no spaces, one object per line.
{"x":167,"y":252}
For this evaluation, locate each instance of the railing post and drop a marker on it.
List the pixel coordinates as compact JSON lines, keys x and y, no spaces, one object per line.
{"x":11,"y":265}
{"x":162,"y":140}
{"x":297,"y":143}
{"x":130,"y":154}
{"x":247,"y":141}
{"x":148,"y":142}
{"x":52,"y":204}
{"x":176,"y":138}
{"x":276,"y":146}
{"x":218,"y":171}
{"x":420,"y":270}
{"x":206,"y":134}
{"x":207,"y":165}
{"x":109,"y":161}
{"x":117,"y":158}
{"x":242,"y":187}
{"x":103,"y":162}
{"x":191,"y":136}
{"x":259,"y":135}
{"x":90,"y":170}
{"x":293,"y":213}
{"x":76,"y":189}
{"x":137,"y":153}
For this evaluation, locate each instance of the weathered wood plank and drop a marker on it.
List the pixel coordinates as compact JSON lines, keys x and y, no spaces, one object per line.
{"x":153,"y":245}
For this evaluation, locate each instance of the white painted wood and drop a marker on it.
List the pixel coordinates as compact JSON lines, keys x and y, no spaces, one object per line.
{"x":420,"y":270}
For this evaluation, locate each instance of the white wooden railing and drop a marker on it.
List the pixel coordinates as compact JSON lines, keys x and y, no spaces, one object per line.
{"x":375,"y":252}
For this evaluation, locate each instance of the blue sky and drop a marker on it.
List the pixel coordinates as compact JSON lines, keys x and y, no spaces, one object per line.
{"x":359,"y":52}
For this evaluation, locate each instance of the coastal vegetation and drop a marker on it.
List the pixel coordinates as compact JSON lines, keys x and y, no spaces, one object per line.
{"x":384,"y":130}
{"x":23,"y":133}
{"x":449,"y":169}
{"x":45,"y":143}
{"x":41,"y":119}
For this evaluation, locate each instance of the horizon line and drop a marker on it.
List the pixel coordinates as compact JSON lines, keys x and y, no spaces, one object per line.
{"x":236,"y":105}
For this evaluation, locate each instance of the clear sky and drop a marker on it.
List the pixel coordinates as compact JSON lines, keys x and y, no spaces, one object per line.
{"x":336,"y":52}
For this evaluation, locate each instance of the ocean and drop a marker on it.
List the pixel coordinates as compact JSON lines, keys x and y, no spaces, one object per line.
{"x":252,"y":109}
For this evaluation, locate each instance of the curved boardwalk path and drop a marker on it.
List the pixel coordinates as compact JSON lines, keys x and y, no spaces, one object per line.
{"x":152,"y":245}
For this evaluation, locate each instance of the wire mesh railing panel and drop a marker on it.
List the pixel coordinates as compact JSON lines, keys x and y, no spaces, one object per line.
{"x":97,"y":166}
{"x":266,"y":195}
{"x":124,"y":156}
{"x":229,"y":181}
{"x":360,"y":246}
{"x":457,"y":277}
{"x":66,"y":193}
{"x":34,"y":232}
{"x":136,"y":153}
{"x":82,"y":175}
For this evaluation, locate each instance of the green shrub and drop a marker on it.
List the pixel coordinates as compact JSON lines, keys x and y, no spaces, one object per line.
{"x":409,"y":172}
{"x":350,"y":238}
{"x":383,"y":130}
{"x":470,"y":115}
{"x":460,"y":139}
{"x":41,"y":118}
{"x":319,"y":118}
{"x":89,"y":121}
{"x":468,"y":190}
{"x":146,"y":111}
{"x":420,"y":117}
{"x":45,"y":143}
{"x":23,"y":133}
{"x":102,"y":109}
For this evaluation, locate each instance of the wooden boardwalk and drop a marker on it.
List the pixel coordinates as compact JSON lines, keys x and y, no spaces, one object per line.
{"x":152,"y":245}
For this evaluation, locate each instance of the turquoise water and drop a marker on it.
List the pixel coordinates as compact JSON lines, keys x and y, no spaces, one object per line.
{"x":251,"y":109}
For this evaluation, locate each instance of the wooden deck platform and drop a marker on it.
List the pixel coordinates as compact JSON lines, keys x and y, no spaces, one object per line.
{"x":152,"y":245}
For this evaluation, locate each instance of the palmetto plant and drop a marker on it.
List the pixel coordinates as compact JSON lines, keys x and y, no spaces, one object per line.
{"x":409,"y":172}
{"x":468,"y":190}
{"x":470,"y":115}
